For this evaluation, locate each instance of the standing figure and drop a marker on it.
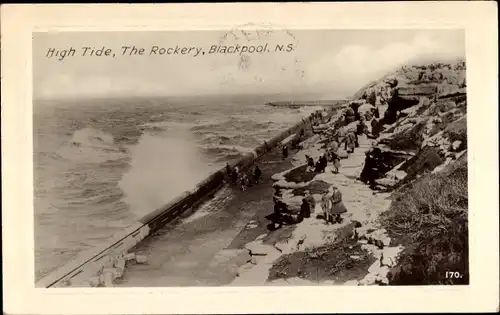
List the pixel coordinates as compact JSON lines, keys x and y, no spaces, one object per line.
{"x":229,"y":172}
{"x":376,"y":128}
{"x":235,"y":174}
{"x":337,"y":206}
{"x":256,"y":174}
{"x":360,"y":130}
{"x":325,"y":206}
{"x":285,"y":152}
{"x":334,"y":146}
{"x":335,"y":163}
{"x":350,"y":143}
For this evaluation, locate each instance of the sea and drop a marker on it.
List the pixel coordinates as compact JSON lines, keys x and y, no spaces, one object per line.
{"x":99,"y":165}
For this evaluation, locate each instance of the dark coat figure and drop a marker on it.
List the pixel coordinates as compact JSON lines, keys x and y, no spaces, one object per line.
{"x":280,"y":214}
{"x":321,"y":164}
{"x":256,"y":174}
{"x":229,"y":172}
{"x":285,"y":152}
{"x":305,"y":209}
{"x":310,"y":199}
{"x":323,"y":160}
{"x":360,"y":128}
{"x":376,"y":128}
{"x":234,"y":176}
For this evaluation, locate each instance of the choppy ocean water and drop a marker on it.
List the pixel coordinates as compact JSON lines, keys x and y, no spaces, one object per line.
{"x":101,"y":165}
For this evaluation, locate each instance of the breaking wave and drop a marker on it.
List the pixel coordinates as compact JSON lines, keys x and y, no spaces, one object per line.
{"x":91,"y":146}
{"x":161,"y":169}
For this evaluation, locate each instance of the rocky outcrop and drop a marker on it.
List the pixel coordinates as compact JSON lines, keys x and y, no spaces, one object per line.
{"x":426,"y":120}
{"x":113,"y":271}
{"x":379,"y":161}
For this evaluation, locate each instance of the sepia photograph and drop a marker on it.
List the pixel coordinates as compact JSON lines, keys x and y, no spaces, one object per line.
{"x":250,"y":158}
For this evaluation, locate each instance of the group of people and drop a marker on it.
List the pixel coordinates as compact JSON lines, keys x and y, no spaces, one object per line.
{"x":237,"y":177}
{"x":283,"y":215}
{"x":331,"y":201}
{"x":331,"y":206}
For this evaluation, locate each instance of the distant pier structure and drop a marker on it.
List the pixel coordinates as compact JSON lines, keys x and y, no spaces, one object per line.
{"x":298,"y":104}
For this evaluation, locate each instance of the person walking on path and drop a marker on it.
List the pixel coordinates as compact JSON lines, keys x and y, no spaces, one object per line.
{"x":335,"y":163}
{"x":325,"y":206}
{"x":350,"y":142}
{"x":337,"y":206}
{"x":360,"y":130}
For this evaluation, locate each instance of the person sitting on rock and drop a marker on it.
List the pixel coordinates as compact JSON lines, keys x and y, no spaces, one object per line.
{"x":309,"y":198}
{"x":256,"y":174}
{"x":321,"y":164}
{"x":305,"y":209}
{"x":310,"y":164}
{"x":276,"y":216}
{"x":310,"y":161}
{"x":282,"y":215}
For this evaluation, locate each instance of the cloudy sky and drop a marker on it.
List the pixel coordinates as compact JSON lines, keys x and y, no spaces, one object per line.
{"x":328,"y":63}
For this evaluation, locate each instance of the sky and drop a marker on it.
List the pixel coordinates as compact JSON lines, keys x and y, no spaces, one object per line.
{"x":325,"y":63}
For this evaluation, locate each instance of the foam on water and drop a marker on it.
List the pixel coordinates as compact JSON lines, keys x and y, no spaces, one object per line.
{"x":90,"y":146}
{"x":162,"y":168}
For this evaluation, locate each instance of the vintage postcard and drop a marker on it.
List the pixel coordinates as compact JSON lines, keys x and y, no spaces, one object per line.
{"x":170,"y":163}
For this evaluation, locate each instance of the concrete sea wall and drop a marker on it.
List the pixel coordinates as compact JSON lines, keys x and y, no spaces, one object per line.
{"x":81,"y":271}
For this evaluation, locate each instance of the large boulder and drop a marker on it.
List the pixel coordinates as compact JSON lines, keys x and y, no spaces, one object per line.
{"x":379,"y":161}
{"x":426,"y":160}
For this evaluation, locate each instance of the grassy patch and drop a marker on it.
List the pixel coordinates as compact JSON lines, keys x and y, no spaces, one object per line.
{"x":424,"y":161}
{"x":315,"y":187}
{"x":431,"y":214}
{"x":340,"y":261}
{"x":299,"y":175}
